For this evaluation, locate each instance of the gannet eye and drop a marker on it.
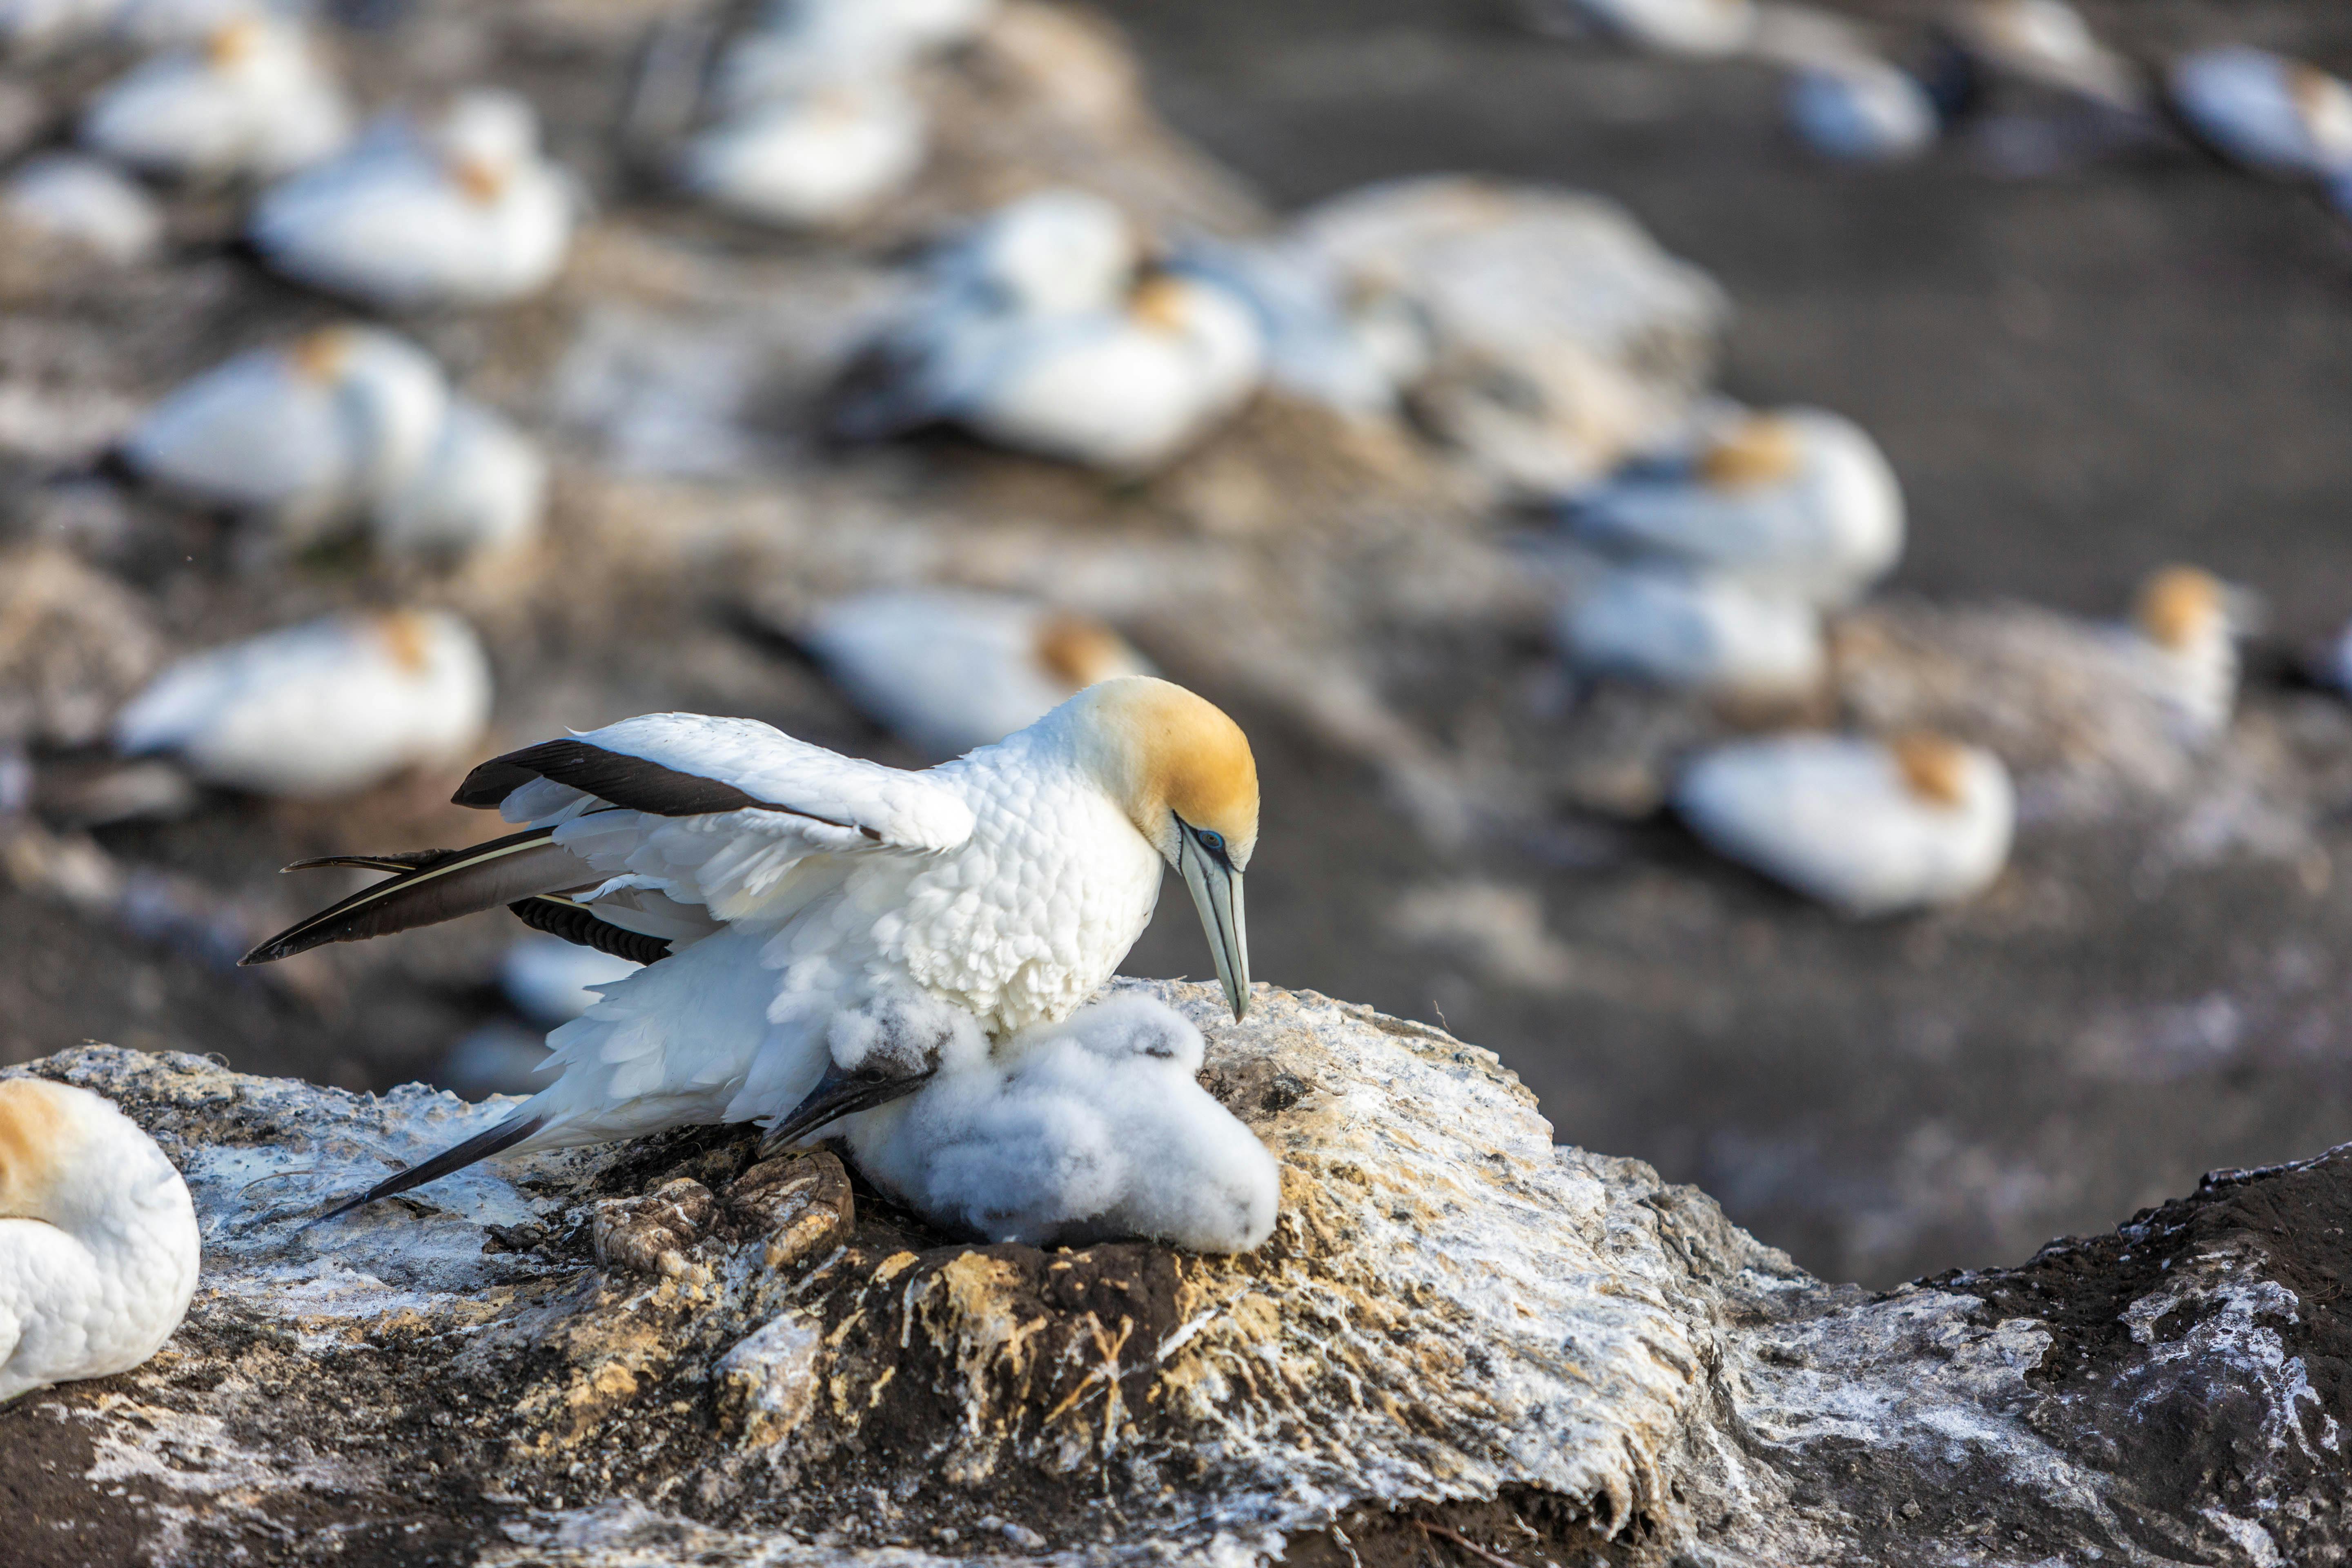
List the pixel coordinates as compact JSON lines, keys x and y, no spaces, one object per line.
{"x":1214,"y":842}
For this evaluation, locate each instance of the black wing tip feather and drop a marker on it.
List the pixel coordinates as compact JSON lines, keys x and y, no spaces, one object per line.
{"x":348,"y":919}
{"x":480,"y":1146}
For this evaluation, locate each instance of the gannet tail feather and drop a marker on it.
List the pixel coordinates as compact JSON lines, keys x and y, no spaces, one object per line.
{"x":503,"y":871}
{"x":482,"y":1146}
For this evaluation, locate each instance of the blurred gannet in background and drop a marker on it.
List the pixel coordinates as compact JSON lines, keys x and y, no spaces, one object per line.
{"x":481,"y":489}
{"x":98,"y":1244}
{"x":823,"y":156}
{"x":1345,"y":344}
{"x":251,"y":99}
{"x":1797,"y":501}
{"x":1668,"y":26}
{"x":1868,"y":827}
{"x":84,"y":202}
{"x":548,"y":979}
{"x":28,"y":27}
{"x":1092,"y":1128}
{"x":948,"y":669}
{"x":801,"y":45}
{"x":2270,"y":114}
{"x":159,"y":22}
{"x":2187,"y":624}
{"x":1693,"y":631}
{"x":790,"y":886}
{"x":321,"y":708}
{"x":1863,"y":110}
{"x":335,"y":423}
{"x":2044,"y":42}
{"x":464,"y":211}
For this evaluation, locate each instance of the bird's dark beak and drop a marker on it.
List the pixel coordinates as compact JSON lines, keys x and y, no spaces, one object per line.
{"x":838,"y":1094}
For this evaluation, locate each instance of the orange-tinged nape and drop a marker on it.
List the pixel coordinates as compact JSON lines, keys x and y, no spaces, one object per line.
{"x":2178,"y":605}
{"x":1761,"y":450}
{"x":231,"y":42}
{"x":33,"y":1124}
{"x":1170,"y":750}
{"x":1934,"y":767}
{"x":1079,"y":650}
{"x":1163,"y":302}
{"x":408,"y":636}
{"x":320,"y":355}
{"x":482,"y":180}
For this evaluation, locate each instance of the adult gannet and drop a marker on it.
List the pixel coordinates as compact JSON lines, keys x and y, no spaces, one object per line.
{"x":1799,"y":501}
{"x":2044,"y":42}
{"x":321,"y":708}
{"x":777,"y":886}
{"x":800,"y":44}
{"x":948,"y":669}
{"x":84,"y":202}
{"x":250,"y":100}
{"x":1694,"y":631}
{"x":1349,"y":343}
{"x":99,"y":1245}
{"x":2270,"y":114}
{"x":463,"y":211}
{"x":1869,"y":827}
{"x":1091,"y":1128}
{"x":482,"y":489}
{"x":1860,"y":109}
{"x":1668,"y":26}
{"x":825,"y":155}
{"x":334,"y":423}
{"x":2187,"y":623}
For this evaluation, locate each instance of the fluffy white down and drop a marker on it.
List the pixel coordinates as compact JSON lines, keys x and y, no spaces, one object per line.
{"x":99,"y":1270}
{"x":946,"y":671}
{"x":816,"y":158}
{"x":1693,"y":631}
{"x":85,"y":201}
{"x":483,"y":489}
{"x":251,"y":101}
{"x":1862,"y":111}
{"x":2248,"y":103}
{"x":1093,"y":1128}
{"x":1832,"y":816}
{"x":321,"y":708}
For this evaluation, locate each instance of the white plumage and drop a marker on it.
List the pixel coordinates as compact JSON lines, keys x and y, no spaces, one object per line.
{"x":822,"y":157}
{"x":1053,"y":252}
{"x":806,"y":43}
{"x":1674,"y":26}
{"x":481,"y":489}
{"x":251,"y":101}
{"x":2270,"y":113}
{"x":1799,"y":502}
{"x":2046,"y":42}
{"x":1862,"y":110}
{"x":462,"y":212}
{"x":1328,"y":338}
{"x":322,"y":708}
{"x":84,"y":202}
{"x":1866,"y":827}
{"x":2184,"y":635}
{"x":99,"y":1244}
{"x":1694,"y":631}
{"x":949,"y":670}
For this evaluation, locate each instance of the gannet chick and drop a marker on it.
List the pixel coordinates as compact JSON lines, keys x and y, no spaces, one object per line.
{"x":948,"y":669}
{"x":555,"y":981}
{"x":462,"y":212}
{"x":2187,"y":629}
{"x":1086,"y":1130}
{"x":333,"y":423}
{"x":778,"y":886}
{"x":1862,"y":110}
{"x":2272,"y":114}
{"x":1675,"y":26}
{"x":321,"y":708}
{"x":99,"y":1245}
{"x":480,"y":490}
{"x":1868,"y":827}
{"x":251,"y":101}
{"x":85,"y":203}
{"x":801,"y":45}
{"x":1692,"y":631}
{"x":823,"y":156}
{"x":1799,"y":501}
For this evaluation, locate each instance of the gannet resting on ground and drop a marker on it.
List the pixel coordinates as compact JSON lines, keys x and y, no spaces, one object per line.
{"x":822,"y":157}
{"x":1863,"y":110}
{"x":1693,"y":631}
{"x":460,"y":212}
{"x":481,"y":489}
{"x":2046,"y":42}
{"x":947,"y":669}
{"x":98,"y":1247}
{"x":1342,"y":343}
{"x":251,"y":101}
{"x":1868,"y":827}
{"x":317,"y":709}
{"x":1797,"y":501}
{"x":801,"y":45}
{"x":2187,"y":623}
{"x":1092,"y":1128}
{"x":306,"y":435}
{"x":84,"y":202}
{"x":1668,"y":26}
{"x":779,"y":886}
{"x":2270,"y":114}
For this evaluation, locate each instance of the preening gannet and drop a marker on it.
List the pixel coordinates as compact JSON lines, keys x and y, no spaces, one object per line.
{"x":1797,"y":501}
{"x":947,"y":669}
{"x":825,"y":155}
{"x":250,"y":100}
{"x":322,"y":708}
{"x":2270,"y":114}
{"x":1689,"y":630}
{"x":2187,"y":623}
{"x":1091,"y":1128}
{"x":1868,"y":827}
{"x":98,"y":1247}
{"x":774,"y":886}
{"x":462,"y":211}
{"x":85,"y":201}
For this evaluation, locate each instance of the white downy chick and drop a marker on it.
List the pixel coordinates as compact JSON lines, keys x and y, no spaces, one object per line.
{"x":949,"y":670}
{"x":306,"y":435}
{"x":823,"y":156}
{"x":2272,"y":114}
{"x":551,"y":979}
{"x":481,"y":490}
{"x":250,"y":100}
{"x":317,"y":710}
{"x":1862,"y":110}
{"x":84,"y":202}
{"x":1799,"y":502}
{"x":98,"y":1244}
{"x":1692,"y":631}
{"x":803,"y":45}
{"x":2186,"y":625}
{"x":1868,"y":827}
{"x":462,"y":212}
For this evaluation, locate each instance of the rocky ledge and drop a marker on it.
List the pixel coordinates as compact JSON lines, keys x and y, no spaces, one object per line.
{"x":1462,"y":1342}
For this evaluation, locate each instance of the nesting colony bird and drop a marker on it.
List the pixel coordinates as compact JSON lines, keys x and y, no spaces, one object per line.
{"x":948,"y":669}
{"x":1862,"y":110}
{"x":463,"y":211}
{"x":2186,"y":624}
{"x":1868,"y":827}
{"x":99,"y":1245}
{"x":1349,"y":343}
{"x":807,"y":158}
{"x":800,"y":44}
{"x":84,"y":202}
{"x":251,"y":101}
{"x":481,"y":490}
{"x":1092,"y":1128}
{"x":1799,"y":503}
{"x":321,"y":708}
{"x":777,"y":886}
{"x":1693,"y":631}
{"x":2043,"y":42}
{"x":2268,"y":114}
{"x":1669,"y":27}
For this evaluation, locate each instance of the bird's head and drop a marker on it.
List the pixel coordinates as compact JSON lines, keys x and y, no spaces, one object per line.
{"x":233,"y":43}
{"x":1758,"y":450}
{"x":68,"y":1155}
{"x":34,"y":1131}
{"x":1934,"y":768}
{"x":1182,"y":772}
{"x":2181,"y":608}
